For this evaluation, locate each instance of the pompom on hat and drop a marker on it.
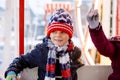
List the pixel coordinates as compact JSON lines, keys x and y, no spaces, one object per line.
{"x":60,"y":20}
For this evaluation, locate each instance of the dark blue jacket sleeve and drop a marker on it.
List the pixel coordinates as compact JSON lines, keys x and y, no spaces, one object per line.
{"x":30,"y":60}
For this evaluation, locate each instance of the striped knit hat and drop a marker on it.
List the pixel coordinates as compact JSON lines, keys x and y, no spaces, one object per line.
{"x":115,"y":39}
{"x":60,"y":20}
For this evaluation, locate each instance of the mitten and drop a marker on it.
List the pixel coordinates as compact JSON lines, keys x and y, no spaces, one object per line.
{"x":11,"y":76}
{"x":93,"y":18}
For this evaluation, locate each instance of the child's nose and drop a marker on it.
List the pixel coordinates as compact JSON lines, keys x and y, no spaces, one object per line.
{"x":58,"y":34}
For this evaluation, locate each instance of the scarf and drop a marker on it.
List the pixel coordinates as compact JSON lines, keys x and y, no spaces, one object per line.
{"x":64,"y":61}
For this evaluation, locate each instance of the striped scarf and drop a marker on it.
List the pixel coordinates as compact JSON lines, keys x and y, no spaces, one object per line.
{"x":64,"y":61}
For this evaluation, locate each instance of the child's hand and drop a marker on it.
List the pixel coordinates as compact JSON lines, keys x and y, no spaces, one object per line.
{"x":93,"y":18}
{"x":11,"y":76}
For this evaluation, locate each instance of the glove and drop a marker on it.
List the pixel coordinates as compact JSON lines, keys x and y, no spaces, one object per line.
{"x":11,"y":76}
{"x":93,"y":18}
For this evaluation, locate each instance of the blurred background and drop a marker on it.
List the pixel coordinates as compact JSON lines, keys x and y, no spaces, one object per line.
{"x":36,"y":17}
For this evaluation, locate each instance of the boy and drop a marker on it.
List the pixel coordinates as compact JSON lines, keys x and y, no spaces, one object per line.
{"x":109,"y":48}
{"x":57,"y":57}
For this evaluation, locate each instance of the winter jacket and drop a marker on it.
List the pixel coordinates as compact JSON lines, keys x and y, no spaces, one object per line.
{"x":38,"y":58}
{"x":109,"y":48}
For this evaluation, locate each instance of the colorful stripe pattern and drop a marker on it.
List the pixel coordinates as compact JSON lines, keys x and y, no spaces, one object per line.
{"x":64,"y":61}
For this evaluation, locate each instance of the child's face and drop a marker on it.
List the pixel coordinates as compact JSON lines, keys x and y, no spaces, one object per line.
{"x":59,"y":38}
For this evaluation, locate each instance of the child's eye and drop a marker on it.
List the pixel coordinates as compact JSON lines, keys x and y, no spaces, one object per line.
{"x":63,"y":32}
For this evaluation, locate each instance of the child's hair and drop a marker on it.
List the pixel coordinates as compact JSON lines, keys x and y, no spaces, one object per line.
{"x":60,"y":20}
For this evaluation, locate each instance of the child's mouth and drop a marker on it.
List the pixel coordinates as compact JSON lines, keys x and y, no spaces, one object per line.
{"x":58,"y":40}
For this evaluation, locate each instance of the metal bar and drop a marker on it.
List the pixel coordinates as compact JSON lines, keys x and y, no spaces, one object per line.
{"x":21,"y":27}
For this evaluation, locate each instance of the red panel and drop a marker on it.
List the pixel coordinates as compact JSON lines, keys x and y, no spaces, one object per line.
{"x":118,"y":18}
{"x":21,"y":27}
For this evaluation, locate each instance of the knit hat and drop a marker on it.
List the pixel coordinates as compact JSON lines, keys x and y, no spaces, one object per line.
{"x":115,"y":39}
{"x":60,"y":20}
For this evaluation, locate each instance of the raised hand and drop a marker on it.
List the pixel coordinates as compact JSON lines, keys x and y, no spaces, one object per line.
{"x":93,"y":18}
